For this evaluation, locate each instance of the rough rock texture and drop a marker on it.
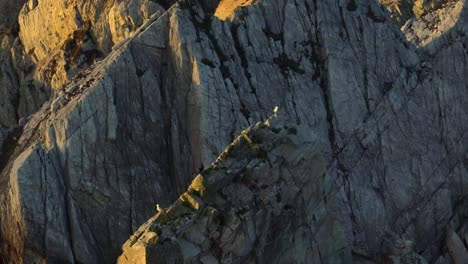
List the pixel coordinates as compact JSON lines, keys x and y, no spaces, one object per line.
{"x":400,"y":10}
{"x":260,"y":202}
{"x":403,"y":11}
{"x":9,"y":10}
{"x":21,"y":94}
{"x":46,"y":43}
{"x":47,"y":24}
{"x":431,"y":25}
{"x":130,"y":131}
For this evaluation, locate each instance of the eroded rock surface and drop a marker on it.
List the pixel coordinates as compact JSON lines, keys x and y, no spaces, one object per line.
{"x":44,"y":44}
{"x":433,"y":23}
{"x":260,"y":202}
{"x":129,"y":132}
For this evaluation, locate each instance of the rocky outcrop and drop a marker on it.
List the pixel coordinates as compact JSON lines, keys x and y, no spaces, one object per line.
{"x":434,"y":23}
{"x":129,"y":131}
{"x":404,"y":10}
{"x":400,"y":10}
{"x":44,"y":44}
{"x":264,"y":200}
{"x":22,"y":95}
{"x":424,"y":21}
{"x":66,"y":37}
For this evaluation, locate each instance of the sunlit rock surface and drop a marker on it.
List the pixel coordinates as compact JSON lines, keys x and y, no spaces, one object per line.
{"x":83,"y":173}
{"x":44,"y":44}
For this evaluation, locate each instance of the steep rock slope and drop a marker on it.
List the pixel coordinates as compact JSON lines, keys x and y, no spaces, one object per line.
{"x":65,"y":37}
{"x":21,"y":94}
{"x":129,"y":132}
{"x":262,"y":201}
{"x":46,"y":43}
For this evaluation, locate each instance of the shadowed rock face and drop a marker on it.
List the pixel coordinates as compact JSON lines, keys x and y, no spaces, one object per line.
{"x":129,"y":132}
{"x":9,"y":10}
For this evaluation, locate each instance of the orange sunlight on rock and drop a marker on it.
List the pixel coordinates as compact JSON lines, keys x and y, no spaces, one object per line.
{"x":226,"y":8}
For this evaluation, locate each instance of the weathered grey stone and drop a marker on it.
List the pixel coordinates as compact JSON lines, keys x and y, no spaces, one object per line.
{"x":249,"y":228}
{"x":456,"y":248}
{"x":391,"y":114}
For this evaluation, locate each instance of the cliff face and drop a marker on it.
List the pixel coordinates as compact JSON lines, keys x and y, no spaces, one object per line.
{"x":388,"y":110}
{"x":44,"y":44}
{"x":264,"y":200}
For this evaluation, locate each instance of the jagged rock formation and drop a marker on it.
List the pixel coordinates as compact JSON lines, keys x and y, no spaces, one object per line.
{"x":9,"y":10}
{"x":403,"y":10}
{"x":260,"y":202}
{"x":400,"y":10}
{"x":129,"y":131}
{"x":21,"y":94}
{"x":44,"y":44}
{"x":431,"y":25}
{"x":65,"y":37}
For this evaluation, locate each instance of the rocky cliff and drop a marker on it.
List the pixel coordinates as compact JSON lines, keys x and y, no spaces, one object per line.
{"x":44,"y":44}
{"x":264,"y":200}
{"x":143,"y":92}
